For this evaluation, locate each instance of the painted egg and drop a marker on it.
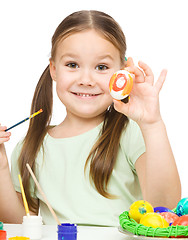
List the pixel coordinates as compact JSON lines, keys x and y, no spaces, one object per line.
{"x":162,"y":209}
{"x":154,"y":220}
{"x":138,"y":209}
{"x":121,"y":84}
{"x":182,"y":207}
{"x":183,"y":220}
{"x":169,"y":217}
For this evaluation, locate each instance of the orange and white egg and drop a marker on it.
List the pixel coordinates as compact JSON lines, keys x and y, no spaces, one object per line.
{"x":121,"y":84}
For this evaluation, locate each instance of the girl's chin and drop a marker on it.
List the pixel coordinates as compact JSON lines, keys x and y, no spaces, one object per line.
{"x":88,"y":113}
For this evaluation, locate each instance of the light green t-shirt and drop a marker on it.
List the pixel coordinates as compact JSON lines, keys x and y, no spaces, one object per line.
{"x":60,"y":172}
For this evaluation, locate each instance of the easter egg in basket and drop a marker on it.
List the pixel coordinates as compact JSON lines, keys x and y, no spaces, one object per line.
{"x":162,"y":209}
{"x":154,"y":220}
{"x":170,"y":217}
{"x":181,"y":221}
{"x":182,"y":207}
{"x":121,"y":84}
{"x":138,"y":209}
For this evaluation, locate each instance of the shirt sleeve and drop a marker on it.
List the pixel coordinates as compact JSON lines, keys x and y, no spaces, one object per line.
{"x":132,"y":143}
{"x":15,"y":170}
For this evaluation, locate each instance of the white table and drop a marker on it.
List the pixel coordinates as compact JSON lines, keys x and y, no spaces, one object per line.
{"x":84,"y":232}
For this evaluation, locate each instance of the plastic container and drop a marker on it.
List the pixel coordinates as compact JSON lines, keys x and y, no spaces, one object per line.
{"x":3,"y":235}
{"x":67,"y":231}
{"x":32,"y":227}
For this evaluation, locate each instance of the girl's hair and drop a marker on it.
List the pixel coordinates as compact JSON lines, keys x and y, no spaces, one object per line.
{"x":103,"y":154}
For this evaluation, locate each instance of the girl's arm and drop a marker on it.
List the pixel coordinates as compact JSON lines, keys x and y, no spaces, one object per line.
{"x":156,"y":168}
{"x":11,"y":208}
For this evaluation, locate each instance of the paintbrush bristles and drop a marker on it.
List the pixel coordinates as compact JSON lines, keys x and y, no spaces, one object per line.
{"x":36,"y":113}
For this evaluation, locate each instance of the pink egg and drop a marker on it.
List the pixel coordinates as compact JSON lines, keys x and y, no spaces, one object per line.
{"x":169,"y":216}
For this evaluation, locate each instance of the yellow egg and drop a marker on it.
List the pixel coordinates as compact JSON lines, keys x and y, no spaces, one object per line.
{"x":138,"y":209}
{"x":154,"y":220}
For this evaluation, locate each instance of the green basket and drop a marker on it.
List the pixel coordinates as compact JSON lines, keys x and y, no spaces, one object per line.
{"x":1,"y":226}
{"x":132,"y":226}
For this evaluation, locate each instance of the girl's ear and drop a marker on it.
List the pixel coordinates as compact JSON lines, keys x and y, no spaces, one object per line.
{"x":52,"y":70}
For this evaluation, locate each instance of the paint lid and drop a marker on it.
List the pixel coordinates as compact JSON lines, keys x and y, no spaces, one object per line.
{"x":3,"y":235}
{"x":1,"y":226}
{"x":19,"y":238}
{"x":67,"y":228}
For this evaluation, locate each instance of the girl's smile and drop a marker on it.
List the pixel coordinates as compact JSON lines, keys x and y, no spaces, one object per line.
{"x":86,"y":95}
{"x":83,"y":65}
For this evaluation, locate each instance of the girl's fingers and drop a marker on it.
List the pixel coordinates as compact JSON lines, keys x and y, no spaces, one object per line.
{"x":2,"y":128}
{"x":4,"y":136}
{"x":121,"y":107}
{"x":149,"y":77}
{"x":3,"y":140}
{"x":139,"y":74}
{"x":130,"y":62}
{"x":161,"y":80}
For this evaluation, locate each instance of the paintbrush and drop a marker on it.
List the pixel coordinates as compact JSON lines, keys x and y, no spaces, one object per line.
{"x":32,"y":116}
{"x":23,"y":196}
{"x":43,"y":195}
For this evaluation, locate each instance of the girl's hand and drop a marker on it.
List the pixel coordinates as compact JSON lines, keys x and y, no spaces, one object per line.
{"x":143,"y":105}
{"x":4,"y":137}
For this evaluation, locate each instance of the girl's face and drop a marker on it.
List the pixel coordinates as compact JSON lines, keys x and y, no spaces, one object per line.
{"x":82,"y":68}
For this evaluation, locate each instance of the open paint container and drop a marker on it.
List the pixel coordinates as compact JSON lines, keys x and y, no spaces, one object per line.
{"x":32,"y":227}
{"x":67,"y":231}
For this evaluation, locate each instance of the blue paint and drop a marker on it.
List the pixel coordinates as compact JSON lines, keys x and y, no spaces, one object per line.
{"x":67,"y":231}
{"x":162,"y":209}
{"x":142,"y":210}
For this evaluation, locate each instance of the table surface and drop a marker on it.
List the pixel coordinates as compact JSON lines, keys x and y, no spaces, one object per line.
{"x":49,"y":232}
{"x":84,"y":232}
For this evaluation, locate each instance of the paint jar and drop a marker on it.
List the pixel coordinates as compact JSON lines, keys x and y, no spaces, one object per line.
{"x":32,"y":227}
{"x":67,"y":231}
{"x":3,"y":235}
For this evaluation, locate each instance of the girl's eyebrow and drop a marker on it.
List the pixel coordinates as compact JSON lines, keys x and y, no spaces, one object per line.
{"x":105,"y":56}
{"x":99,"y":57}
{"x":68,"y":55}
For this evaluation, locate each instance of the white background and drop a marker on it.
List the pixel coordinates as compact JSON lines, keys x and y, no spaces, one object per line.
{"x":156,"y":32}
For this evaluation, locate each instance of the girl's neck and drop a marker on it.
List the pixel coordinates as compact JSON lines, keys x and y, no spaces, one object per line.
{"x":71,"y":127}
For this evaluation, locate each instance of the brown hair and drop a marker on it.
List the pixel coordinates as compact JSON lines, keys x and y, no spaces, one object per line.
{"x":103,"y":154}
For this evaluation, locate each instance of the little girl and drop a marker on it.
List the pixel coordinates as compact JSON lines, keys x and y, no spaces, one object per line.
{"x":106,"y":154}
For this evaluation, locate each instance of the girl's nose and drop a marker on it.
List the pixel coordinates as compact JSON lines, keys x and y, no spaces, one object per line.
{"x":86,"y":78}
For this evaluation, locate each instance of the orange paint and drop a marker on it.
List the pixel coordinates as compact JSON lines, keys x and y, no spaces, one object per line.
{"x":121,"y":84}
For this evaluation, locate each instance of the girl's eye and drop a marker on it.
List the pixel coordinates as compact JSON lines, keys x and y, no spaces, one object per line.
{"x":101,"y":67}
{"x":72,"y":65}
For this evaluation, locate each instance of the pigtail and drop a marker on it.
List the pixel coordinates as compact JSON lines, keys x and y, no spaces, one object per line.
{"x":43,"y":98}
{"x":103,"y":155}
